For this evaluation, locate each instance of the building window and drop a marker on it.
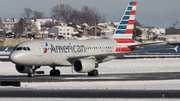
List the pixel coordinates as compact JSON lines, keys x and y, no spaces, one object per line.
{"x":67,"y":29}
{"x":60,"y":29}
{"x":67,"y":33}
{"x":64,"y":33}
{"x":60,"y":33}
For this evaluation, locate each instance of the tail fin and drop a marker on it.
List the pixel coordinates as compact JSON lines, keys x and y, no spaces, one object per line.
{"x":126,"y":25}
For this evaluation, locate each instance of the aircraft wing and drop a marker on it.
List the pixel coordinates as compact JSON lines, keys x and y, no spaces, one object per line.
{"x":119,"y":54}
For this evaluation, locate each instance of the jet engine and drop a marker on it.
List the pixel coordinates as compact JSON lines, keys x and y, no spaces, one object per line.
{"x":22,"y":69}
{"x":84,"y":65}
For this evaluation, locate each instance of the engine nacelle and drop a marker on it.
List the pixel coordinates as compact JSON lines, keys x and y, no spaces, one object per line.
{"x":22,"y":69}
{"x":84,"y":65}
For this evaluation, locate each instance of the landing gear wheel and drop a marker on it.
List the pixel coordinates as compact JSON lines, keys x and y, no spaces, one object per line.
{"x":90,"y":74}
{"x":93,"y":73}
{"x":57,"y":73}
{"x":30,"y":74}
{"x":54,"y":73}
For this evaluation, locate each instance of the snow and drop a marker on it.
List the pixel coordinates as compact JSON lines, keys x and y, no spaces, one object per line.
{"x":158,"y":30}
{"x":114,"y":66}
{"x":121,"y":85}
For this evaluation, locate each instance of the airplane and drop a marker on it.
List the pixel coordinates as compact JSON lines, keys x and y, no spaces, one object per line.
{"x":83,"y":54}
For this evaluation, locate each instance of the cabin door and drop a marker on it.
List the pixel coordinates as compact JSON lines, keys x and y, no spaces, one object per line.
{"x":39,"y":48}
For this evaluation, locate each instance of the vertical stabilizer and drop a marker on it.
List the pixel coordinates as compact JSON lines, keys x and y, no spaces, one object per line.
{"x":126,"y":25}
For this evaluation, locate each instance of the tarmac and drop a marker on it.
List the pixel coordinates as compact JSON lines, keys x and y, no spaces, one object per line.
{"x":89,"y":93}
{"x":100,"y":77}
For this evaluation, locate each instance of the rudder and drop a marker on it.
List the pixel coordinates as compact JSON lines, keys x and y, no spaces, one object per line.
{"x":126,"y":25}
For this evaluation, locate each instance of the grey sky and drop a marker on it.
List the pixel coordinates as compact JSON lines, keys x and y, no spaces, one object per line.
{"x":149,"y":12}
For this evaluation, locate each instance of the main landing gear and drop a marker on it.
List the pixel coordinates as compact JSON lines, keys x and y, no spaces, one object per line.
{"x":54,"y":72}
{"x":93,"y":73}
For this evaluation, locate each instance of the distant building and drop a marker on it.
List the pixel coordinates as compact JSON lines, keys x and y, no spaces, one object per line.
{"x":8,"y":24}
{"x":64,"y":32}
{"x":41,"y":25}
{"x":172,"y":31}
{"x":173,"y":35}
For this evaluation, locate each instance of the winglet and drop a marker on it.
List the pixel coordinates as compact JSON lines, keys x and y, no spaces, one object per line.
{"x":176,"y":48}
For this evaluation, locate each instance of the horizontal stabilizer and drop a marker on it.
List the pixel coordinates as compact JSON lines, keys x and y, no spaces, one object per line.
{"x":148,"y":44}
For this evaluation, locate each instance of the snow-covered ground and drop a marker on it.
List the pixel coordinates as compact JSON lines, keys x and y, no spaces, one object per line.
{"x":114,"y":66}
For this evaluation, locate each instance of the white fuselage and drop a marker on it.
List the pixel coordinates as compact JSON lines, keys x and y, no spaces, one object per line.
{"x":56,"y":52}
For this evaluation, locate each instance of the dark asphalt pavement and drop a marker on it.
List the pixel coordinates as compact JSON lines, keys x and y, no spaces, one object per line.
{"x":90,"y":93}
{"x":100,"y":77}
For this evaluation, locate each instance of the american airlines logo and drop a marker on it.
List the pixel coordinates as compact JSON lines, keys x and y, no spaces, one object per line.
{"x":67,"y":48}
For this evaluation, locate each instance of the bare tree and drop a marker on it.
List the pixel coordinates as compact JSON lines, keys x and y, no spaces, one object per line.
{"x":91,"y":16}
{"x":1,"y":24}
{"x":136,"y":23}
{"x":85,"y":15}
{"x":61,"y":12}
{"x":38,"y":15}
{"x":18,"y":28}
{"x":23,"y":26}
{"x":49,"y":24}
{"x":75,"y":16}
{"x":27,"y":13}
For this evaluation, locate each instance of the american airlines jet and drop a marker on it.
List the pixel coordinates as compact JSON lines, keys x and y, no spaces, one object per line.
{"x":83,"y":54}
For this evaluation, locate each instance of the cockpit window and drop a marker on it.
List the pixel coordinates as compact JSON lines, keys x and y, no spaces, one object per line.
{"x":23,"y":48}
{"x":28,"y":48}
{"x":19,"y":48}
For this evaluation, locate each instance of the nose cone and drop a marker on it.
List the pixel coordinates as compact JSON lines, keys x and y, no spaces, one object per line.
{"x":12,"y":57}
{"x":16,"y":57}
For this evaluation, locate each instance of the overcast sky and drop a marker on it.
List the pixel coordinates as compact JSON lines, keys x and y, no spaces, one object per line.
{"x":149,"y":12}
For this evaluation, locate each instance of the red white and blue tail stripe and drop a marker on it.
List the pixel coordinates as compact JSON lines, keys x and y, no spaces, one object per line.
{"x":124,"y":32}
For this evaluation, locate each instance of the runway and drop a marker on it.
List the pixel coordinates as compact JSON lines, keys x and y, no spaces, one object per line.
{"x":100,"y":77}
{"x":27,"y":93}
{"x":145,"y":78}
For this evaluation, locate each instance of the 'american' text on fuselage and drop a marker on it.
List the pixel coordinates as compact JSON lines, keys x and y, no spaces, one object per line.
{"x":68,"y":48}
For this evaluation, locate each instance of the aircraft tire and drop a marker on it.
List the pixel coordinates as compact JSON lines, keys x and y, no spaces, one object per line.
{"x":30,"y":74}
{"x":95,"y":72}
{"x":57,"y":73}
{"x":52,"y":73}
{"x":90,"y":74}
